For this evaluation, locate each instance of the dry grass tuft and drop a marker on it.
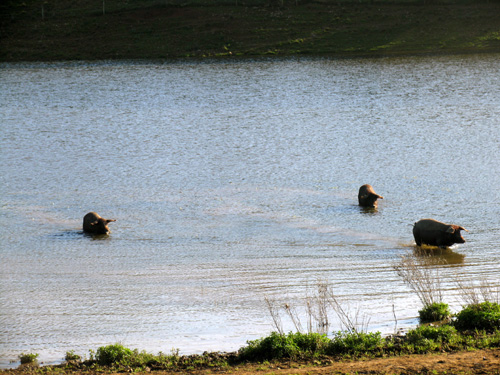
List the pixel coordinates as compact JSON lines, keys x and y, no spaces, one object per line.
{"x":474,"y":293}
{"x":317,"y":310}
{"x":423,"y":279}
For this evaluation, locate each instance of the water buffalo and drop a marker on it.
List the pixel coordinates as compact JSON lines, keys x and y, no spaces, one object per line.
{"x":94,"y":223}
{"x":367,"y":196}
{"x":434,"y":233}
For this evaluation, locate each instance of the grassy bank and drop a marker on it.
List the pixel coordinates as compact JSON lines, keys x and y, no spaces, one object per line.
{"x":476,"y":327}
{"x":144,"y":29}
{"x":294,"y":350}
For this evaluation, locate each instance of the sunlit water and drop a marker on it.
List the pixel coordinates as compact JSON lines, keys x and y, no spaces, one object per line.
{"x":232,"y":182}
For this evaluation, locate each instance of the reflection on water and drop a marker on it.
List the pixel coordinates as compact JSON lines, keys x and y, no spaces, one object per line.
{"x":368,"y":210}
{"x":230,"y":182}
{"x":435,"y":256}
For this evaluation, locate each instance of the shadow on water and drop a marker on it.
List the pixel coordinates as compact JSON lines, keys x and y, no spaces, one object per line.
{"x":96,"y":237}
{"x":368,"y":210}
{"x":79,"y":235}
{"x":352,"y":209}
{"x":433,"y":256}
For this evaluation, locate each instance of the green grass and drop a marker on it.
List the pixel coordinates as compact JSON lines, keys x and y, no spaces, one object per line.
{"x":174,"y":29}
{"x":310,"y":347}
{"x":119,"y":358}
{"x":434,"y":312}
{"x":482,"y":316}
{"x":424,"y":339}
{"x":292,"y":345}
{"x":113,"y":354}
{"x":28,"y":358}
{"x":72,"y":356}
{"x":355,"y":343}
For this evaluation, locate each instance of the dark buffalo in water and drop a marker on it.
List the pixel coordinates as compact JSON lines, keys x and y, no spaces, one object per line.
{"x":367,"y":196}
{"x":94,"y":223}
{"x":435,"y":233}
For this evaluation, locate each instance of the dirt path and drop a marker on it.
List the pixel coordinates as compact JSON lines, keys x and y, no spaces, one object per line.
{"x":475,"y":362}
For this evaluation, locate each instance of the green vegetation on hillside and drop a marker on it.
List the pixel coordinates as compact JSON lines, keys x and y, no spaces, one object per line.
{"x":143,"y":29}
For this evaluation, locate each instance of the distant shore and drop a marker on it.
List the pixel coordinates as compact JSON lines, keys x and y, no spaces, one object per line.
{"x":146,"y":29}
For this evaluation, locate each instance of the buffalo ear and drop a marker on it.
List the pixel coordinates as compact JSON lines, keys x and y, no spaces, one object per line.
{"x":450,"y":229}
{"x":462,"y":228}
{"x":110,"y":220}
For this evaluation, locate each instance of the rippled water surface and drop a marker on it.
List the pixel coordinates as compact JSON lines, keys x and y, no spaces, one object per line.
{"x":232,"y":182}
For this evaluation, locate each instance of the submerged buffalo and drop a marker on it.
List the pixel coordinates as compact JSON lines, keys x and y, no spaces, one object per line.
{"x":434,"y":233}
{"x":94,"y":223}
{"x":367,"y":196}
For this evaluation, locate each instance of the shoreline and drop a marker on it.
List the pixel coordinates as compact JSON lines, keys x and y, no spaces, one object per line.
{"x":480,"y":361}
{"x":234,"y":59}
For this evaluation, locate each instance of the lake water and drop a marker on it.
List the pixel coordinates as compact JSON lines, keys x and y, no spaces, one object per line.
{"x":233,"y":182}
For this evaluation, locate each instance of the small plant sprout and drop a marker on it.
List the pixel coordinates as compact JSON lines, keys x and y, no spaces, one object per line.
{"x":435,"y":312}
{"x":112,"y":354}
{"x":28,"y":358}
{"x":71,"y":356}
